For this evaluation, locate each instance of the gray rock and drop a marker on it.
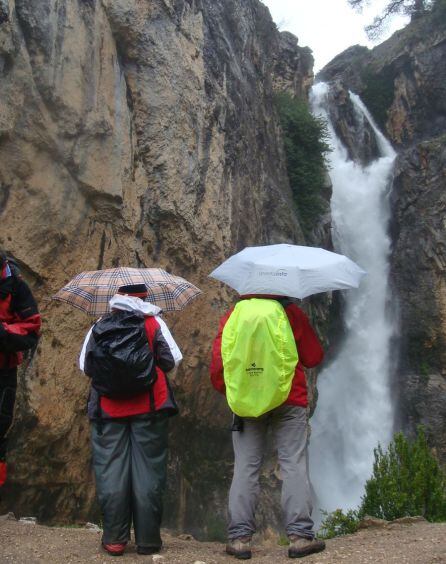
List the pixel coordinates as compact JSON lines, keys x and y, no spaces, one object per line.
{"x":368,"y":522}
{"x":409,"y":520}
{"x":8,"y":517}
{"x":28,"y":520}
{"x":185,"y":536}
{"x":93,"y":527}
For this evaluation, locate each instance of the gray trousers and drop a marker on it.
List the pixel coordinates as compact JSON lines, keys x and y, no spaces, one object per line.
{"x":290,"y":430}
{"x":129,"y":461}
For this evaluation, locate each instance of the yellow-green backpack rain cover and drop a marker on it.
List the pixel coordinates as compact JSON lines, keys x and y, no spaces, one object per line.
{"x":259,"y":357}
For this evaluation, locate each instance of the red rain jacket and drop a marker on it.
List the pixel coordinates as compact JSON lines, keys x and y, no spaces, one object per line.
{"x":308,"y":346}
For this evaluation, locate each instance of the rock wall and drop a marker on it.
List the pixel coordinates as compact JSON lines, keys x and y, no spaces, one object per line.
{"x":402,"y":81}
{"x":141,"y":133}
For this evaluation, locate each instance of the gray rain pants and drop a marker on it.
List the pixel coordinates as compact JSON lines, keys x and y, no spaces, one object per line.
{"x":130,"y":461}
{"x":290,"y":430}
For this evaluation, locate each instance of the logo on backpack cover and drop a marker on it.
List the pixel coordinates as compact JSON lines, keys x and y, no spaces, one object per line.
{"x":254,"y":369}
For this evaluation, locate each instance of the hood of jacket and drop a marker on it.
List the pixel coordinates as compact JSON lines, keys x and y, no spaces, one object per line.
{"x":130,"y":303}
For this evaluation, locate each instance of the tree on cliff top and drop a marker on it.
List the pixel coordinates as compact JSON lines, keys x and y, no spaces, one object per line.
{"x":413,"y":8}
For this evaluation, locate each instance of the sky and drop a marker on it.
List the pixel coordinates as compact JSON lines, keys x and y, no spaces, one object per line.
{"x":328,"y":27}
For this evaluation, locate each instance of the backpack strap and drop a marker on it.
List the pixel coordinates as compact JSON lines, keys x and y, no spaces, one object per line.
{"x":99,"y":418}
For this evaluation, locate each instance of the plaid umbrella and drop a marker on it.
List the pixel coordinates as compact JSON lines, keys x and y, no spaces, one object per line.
{"x":91,"y":291}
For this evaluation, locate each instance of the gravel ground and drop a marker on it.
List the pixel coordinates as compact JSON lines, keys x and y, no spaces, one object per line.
{"x":27,"y":543}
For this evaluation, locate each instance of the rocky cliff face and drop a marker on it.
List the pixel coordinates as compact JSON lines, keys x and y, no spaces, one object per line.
{"x":138,"y":133}
{"x":402,"y":81}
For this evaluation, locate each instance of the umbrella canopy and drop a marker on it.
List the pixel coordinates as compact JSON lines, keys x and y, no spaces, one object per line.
{"x":288,"y":270}
{"x":91,"y":291}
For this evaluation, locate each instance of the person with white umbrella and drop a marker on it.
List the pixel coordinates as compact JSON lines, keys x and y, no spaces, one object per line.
{"x":258,"y":360}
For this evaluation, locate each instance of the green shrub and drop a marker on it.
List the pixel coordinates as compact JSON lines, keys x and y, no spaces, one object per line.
{"x":305,"y":139}
{"x":407,"y":480}
{"x":338,"y":523}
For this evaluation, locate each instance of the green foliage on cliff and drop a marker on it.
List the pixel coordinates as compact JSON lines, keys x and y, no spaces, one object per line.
{"x":378,"y":93}
{"x":305,"y":138}
{"x":407,"y":480}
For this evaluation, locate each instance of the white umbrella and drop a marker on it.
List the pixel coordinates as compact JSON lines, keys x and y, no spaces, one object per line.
{"x":288,"y":270}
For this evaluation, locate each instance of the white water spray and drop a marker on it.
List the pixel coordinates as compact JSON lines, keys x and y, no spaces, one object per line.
{"x":354,"y":410}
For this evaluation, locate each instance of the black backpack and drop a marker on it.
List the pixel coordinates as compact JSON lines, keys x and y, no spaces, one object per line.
{"x":118,"y":357}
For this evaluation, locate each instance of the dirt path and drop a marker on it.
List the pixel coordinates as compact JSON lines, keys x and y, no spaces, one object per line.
{"x":420,"y":542}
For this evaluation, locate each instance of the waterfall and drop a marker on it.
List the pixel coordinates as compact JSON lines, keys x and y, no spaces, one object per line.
{"x":354,"y":410}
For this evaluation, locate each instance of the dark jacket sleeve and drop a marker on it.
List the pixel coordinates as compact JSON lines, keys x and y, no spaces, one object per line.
{"x":11,"y":342}
{"x":216,"y":366}
{"x":309,"y":347}
{"x":22,"y":333}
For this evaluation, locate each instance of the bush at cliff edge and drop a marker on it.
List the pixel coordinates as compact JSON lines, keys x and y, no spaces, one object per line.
{"x":407,"y":480}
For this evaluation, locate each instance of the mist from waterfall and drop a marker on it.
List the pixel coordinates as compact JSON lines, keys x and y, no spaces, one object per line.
{"x":354,"y":411}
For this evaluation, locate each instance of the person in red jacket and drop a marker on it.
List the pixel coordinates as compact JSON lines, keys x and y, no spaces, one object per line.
{"x":129,"y":438}
{"x":289,"y":423}
{"x":19,"y":331}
